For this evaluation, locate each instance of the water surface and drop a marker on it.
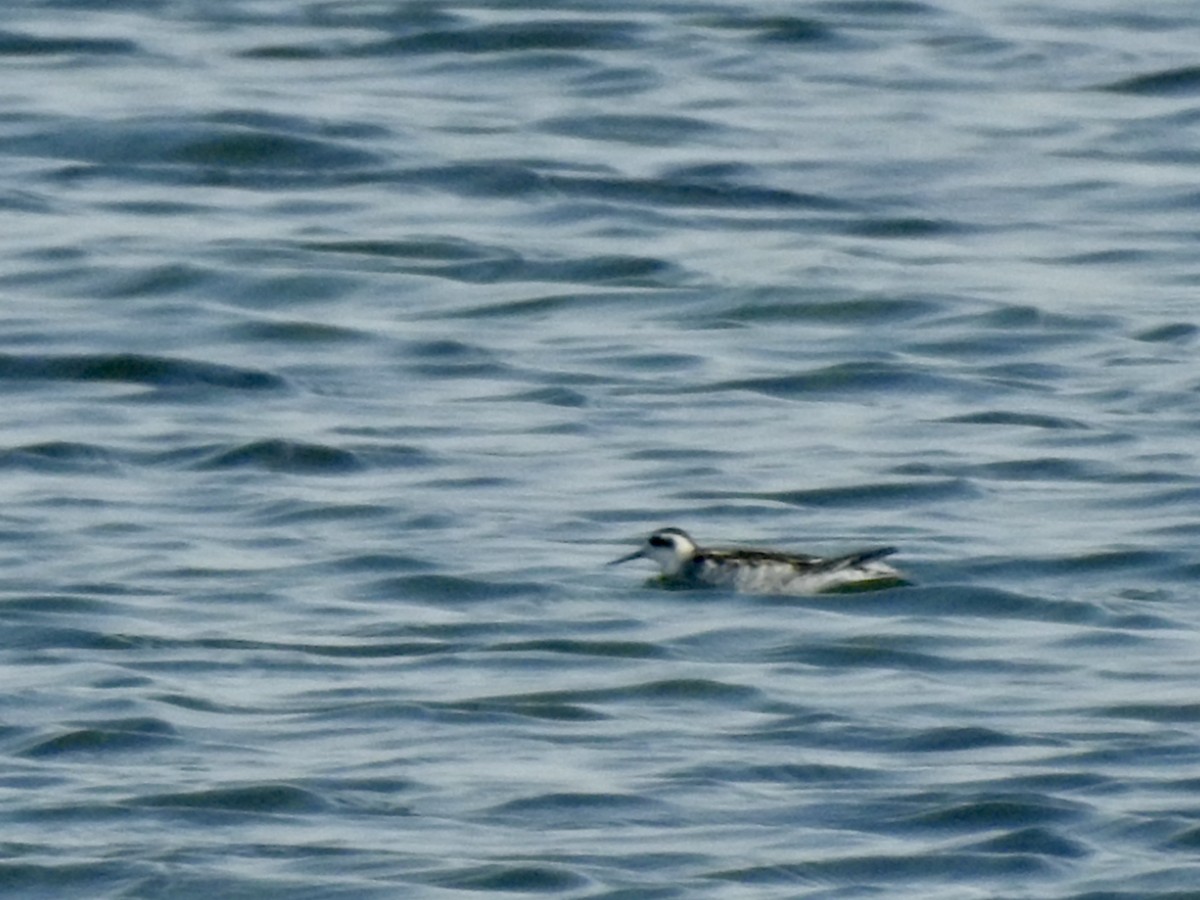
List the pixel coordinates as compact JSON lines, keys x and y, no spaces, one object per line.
{"x":344,"y":343}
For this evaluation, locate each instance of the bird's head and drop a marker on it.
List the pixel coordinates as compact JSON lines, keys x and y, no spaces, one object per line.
{"x":671,"y":548}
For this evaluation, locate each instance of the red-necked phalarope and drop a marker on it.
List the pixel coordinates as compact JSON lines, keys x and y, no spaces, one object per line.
{"x":764,"y":571}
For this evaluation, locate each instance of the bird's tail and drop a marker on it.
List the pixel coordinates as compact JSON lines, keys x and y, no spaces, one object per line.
{"x":862,"y":556}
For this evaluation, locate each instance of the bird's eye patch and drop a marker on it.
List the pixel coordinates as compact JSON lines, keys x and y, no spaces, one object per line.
{"x":657,"y":541}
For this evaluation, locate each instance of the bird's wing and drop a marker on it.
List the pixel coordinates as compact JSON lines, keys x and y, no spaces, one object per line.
{"x":857,"y":558}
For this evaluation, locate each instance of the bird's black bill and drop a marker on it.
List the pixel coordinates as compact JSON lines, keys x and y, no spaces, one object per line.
{"x":634,"y":555}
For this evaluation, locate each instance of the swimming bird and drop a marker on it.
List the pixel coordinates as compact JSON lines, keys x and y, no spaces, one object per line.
{"x":750,"y":571}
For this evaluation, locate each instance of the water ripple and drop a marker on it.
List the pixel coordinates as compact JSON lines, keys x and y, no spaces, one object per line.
{"x":285,"y":456}
{"x":19,"y":44}
{"x":1183,"y":81}
{"x":131,"y":368}
{"x":119,"y":736}
{"x":256,"y":799}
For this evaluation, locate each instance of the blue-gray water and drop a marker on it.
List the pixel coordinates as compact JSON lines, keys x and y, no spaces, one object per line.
{"x":344,"y":342}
